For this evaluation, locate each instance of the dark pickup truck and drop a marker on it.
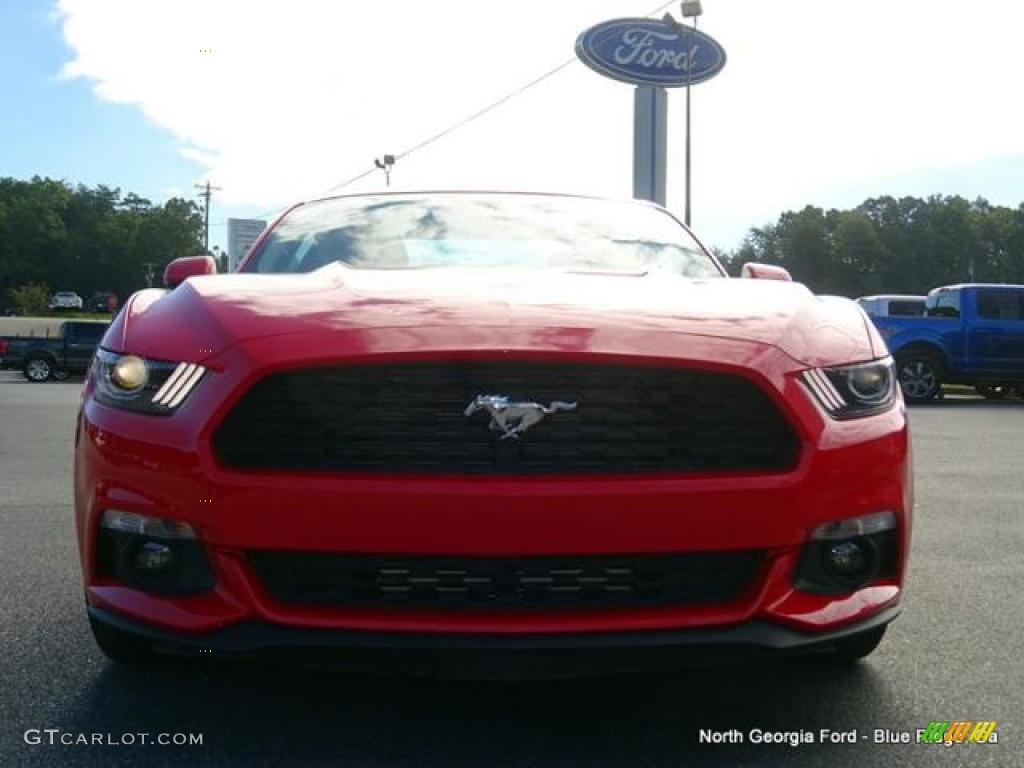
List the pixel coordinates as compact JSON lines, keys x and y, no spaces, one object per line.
{"x":44,"y":357}
{"x":970,"y":334}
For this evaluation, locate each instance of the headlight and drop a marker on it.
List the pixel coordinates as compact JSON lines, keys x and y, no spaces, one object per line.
{"x":849,"y":391}
{"x":138,"y":384}
{"x":129,"y":374}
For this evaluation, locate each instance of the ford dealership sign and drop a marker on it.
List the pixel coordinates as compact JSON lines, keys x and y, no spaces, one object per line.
{"x":649,"y":52}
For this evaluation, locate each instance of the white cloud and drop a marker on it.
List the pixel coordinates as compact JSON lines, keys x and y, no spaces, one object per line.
{"x":281,"y":101}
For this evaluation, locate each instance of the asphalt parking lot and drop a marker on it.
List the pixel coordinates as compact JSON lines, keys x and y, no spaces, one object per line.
{"x":954,"y":654}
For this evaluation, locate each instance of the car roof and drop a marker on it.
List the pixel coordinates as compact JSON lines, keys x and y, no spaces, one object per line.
{"x":960,"y":286}
{"x":893,"y":297}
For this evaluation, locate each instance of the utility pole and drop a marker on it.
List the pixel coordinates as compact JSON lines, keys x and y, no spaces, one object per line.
{"x":206,"y":193}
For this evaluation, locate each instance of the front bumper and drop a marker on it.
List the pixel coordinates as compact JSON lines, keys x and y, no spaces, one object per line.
{"x":493,"y":656}
{"x":165,"y":468}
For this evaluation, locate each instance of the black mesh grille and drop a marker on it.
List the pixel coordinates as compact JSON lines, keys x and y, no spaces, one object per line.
{"x":410,"y":417}
{"x":562,"y":581}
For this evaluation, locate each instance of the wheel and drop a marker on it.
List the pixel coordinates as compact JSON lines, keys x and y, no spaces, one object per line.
{"x":38,"y":369}
{"x":61,"y":374}
{"x":122,"y":647}
{"x":920,"y":376}
{"x":858,"y":646}
{"x":993,"y":391}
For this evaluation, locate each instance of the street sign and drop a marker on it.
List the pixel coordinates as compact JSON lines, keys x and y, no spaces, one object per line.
{"x":242,"y":233}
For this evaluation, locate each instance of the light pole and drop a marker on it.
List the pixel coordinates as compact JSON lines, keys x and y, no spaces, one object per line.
{"x":691,"y":10}
{"x":385,"y":164}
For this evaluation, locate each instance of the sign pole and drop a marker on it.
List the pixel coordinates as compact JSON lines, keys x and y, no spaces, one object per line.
{"x":650,"y":143}
{"x":689,"y":59}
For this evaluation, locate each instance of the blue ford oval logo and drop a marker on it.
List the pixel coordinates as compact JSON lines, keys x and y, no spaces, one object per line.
{"x":649,"y":52}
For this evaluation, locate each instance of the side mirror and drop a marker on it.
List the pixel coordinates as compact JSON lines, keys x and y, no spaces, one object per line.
{"x":180,"y":270}
{"x":765,"y":272}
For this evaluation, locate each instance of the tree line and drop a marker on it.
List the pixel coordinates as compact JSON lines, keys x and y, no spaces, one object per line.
{"x":890,"y":245}
{"x":88,"y":239}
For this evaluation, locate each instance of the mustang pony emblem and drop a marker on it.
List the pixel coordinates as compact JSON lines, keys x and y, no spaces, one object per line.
{"x":513,"y":418}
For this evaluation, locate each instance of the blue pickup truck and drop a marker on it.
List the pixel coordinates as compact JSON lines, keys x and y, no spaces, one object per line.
{"x":970,"y":334}
{"x":42,"y":358}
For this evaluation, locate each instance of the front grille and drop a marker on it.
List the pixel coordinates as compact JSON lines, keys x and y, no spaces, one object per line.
{"x":555,"y":582}
{"x":410,"y":417}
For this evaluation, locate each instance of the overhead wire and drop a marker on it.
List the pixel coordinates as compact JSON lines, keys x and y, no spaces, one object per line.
{"x":465,"y":121}
{"x":479,"y":113}
{"x":461,"y":123}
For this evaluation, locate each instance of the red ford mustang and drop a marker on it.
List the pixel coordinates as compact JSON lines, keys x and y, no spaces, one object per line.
{"x":449,"y":427}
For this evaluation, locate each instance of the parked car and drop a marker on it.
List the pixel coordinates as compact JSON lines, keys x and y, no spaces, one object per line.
{"x":103,"y":301}
{"x":65,"y":300}
{"x":41,"y":358}
{"x":971,"y":334}
{"x":456,"y":425}
{"x":893,"y":305}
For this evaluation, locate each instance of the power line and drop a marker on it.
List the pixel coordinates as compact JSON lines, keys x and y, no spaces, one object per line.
{"x":465,"y":121}
{"x":478,"y":114}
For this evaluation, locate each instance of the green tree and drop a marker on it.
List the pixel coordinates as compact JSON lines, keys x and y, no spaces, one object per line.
{"x":890,"y":245}
{"x":89,"y":239}
{"x":859,"y":255}
{"x":32,"y":232}
{"x":31,"y":299}
{"x":165,"y":233}
{"x":806,"y":249}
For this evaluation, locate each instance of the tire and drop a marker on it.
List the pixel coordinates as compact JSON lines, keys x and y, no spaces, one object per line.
{"x":993,"y":391}
{"x":122,"y":647}
{"x":856,"y":647}
{"x":38,"y":369}
{"x":920,"y":376}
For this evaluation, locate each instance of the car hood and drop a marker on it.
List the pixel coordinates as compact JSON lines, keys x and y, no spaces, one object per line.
{"x":205,"y":315}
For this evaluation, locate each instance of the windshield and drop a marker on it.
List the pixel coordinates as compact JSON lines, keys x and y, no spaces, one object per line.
{"x":464,"y":230}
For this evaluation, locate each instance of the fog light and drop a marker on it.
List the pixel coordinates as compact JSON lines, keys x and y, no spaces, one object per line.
{"x":847,"y":558}
{"x":154,"y":554}
{"x":848,"y":554}
{"x":853,"y":562}
{"x":153,"y":558}
{"x":151,"y":564}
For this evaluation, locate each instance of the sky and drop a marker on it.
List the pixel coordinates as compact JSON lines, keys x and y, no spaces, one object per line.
{"x":820,"y":102}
